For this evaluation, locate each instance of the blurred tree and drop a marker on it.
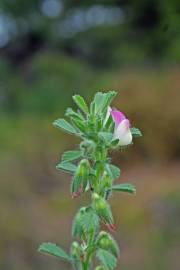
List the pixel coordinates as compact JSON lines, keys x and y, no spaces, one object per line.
{"x":95,"y":30}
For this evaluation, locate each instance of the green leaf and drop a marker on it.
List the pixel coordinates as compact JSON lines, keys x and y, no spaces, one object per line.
{"x":106,"y":136}
{"x":66,"y":166}
{"x":86,"y":220}
{"x":113,"y":171}
{"x":74,"y":115}
{"x":109,"y":124}
{"x":107,"y":259}
{"x":71,"y":155}
{"x":102,"y":100}
{"x":125,"y":187}
{"x":64,"y":125}
{"x":114,"y":248}
{"x":81,"y":103}
{"x":98,"y":100}
{"x":76,"y":184}
{"x":54,"y":250}
{"x":135,"y":132}
{"x":90,"y":221}
{"x":79,"y":124}
{"x":114,"y":143}
{"x":108,"y":98}
{"x":92,"y":108}
{"x":76,"y":224}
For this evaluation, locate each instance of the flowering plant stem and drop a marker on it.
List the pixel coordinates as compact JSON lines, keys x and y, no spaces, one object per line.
{"x":100,"y":129}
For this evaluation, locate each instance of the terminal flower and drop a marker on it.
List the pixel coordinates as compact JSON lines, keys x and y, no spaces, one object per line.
{"x":122,"y":128}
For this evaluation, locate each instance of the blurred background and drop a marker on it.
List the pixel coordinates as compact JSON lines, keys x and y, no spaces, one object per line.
{"x":51,"y":49}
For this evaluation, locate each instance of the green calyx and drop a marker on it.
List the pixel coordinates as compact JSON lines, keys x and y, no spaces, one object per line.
{"x":80,"y":179}
{"x":75,"y":249}
{"x":102,"y":208}
{"x":107,"y":242}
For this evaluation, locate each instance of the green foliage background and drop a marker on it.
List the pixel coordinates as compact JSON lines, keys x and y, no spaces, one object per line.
{"x":39,"y":72}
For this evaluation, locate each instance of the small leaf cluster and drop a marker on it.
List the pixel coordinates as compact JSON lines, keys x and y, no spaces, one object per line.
{"x":92,"y":171}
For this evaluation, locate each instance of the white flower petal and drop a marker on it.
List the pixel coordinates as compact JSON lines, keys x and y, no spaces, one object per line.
{"x":123,"y":133}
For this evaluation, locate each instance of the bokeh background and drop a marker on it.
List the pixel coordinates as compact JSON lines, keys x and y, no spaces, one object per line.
{"x":51,"y":49}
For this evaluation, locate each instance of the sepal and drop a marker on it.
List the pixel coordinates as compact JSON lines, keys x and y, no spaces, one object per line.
{"x":103,"y":210}
{"x":80,"y":178}
{"x":107,"y":242}
{"x":136,"y":132}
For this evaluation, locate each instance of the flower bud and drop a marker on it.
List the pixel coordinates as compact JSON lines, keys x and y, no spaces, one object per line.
{"x":105,"y":241}
{"x":102,"y":208}
{"x":80,"y":178}
{"x":75,"y":249}
{"x":83,"y":168}
{"x":77,"y":229}
{"x":99,"y":203}
{"x":105,"y":181}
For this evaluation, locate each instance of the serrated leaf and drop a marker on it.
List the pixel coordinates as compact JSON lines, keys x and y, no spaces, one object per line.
{"x":135,"y":132}
{"x":81,"y":103}
{"x":64,"y":125}
{"x":71,"y":155}
{"x":113,"y":171}
{"x":90,"y":221}
{"x":102,"y":100}
{"x":125,"y":187}
{"x":54,"y":250}
{"x":66,"y":166}
{"x":74,"y":115}
{"x":108,"y":98}
{"x":108,"y":260}
{"x":86,"y":220}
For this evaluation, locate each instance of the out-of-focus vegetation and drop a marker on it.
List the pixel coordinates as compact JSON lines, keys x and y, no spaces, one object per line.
{"x":52,"y":49}
{"x":102,"y":32}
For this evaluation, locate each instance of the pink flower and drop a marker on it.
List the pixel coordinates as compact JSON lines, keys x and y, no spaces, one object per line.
{"x":122,"y":128}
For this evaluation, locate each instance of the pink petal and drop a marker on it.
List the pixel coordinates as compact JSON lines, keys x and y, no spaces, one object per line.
{"x":117,"y":117}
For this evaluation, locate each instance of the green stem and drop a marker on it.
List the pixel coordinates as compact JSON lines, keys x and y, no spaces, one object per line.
{"x":89,"y":251}
{"x":87,"y":261}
